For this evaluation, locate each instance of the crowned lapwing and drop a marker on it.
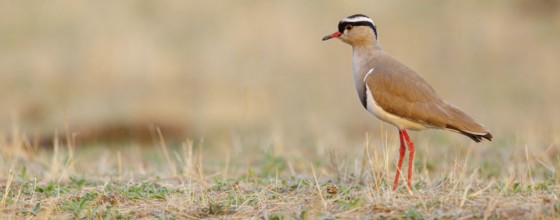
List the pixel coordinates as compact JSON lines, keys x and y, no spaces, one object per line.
{"x":396,"y":94}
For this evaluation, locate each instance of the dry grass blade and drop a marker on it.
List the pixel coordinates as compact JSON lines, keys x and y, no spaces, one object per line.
{"x":163,"y":148}
{"x":188,"y":159}
{"x":528,"y":165}
{"x":119,"y":164}
{"x":465,"y":193}
{"x":333,"y":158}
{"x":365,"y":158}
{"x":492,"y":183}
{"x":319,"y":188}
{"x":201,"y":176}
{"x":7,"y":190}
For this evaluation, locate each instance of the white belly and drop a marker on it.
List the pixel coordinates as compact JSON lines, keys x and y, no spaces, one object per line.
{"x":401,"y":123}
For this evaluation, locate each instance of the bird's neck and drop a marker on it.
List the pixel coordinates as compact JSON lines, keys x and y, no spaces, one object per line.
{"x":363,"y":58}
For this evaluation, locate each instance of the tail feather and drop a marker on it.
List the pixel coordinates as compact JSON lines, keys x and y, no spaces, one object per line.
{"x":477,"y":137}
{"x":464,"y":124}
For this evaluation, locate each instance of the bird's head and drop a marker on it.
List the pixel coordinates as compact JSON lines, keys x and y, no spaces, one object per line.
{"x":355,"y":30}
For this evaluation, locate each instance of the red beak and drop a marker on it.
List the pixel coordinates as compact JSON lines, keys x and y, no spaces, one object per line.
{"x":333,"y":35}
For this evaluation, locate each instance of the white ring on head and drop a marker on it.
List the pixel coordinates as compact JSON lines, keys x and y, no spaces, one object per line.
{"x":358,"y":19}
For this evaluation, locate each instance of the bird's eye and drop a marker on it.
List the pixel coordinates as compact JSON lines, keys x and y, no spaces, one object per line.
{"x":348,"y":27}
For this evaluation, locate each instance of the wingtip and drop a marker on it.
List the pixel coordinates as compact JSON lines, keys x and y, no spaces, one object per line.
{"x":477,"y":137}
{"x":488,"y":136}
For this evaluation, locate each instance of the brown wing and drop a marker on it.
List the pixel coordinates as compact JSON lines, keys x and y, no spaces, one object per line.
{"x":404,"y":93}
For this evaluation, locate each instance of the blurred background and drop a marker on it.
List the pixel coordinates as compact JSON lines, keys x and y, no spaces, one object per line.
{"x":257,"y":73}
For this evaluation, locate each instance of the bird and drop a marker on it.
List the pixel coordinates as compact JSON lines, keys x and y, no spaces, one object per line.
{"x":396,"y":94}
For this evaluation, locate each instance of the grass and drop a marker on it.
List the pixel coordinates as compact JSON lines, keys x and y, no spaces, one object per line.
{"x":190,"y":180}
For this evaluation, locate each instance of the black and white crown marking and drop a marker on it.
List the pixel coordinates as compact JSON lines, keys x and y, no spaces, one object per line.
{"x":357,"y":20}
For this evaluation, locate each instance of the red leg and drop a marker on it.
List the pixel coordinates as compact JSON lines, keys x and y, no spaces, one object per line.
{"x":410,"y":157}
{"x":401,"y":158}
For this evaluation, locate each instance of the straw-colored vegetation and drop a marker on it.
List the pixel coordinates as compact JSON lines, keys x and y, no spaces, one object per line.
{"x":179,"y":110}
